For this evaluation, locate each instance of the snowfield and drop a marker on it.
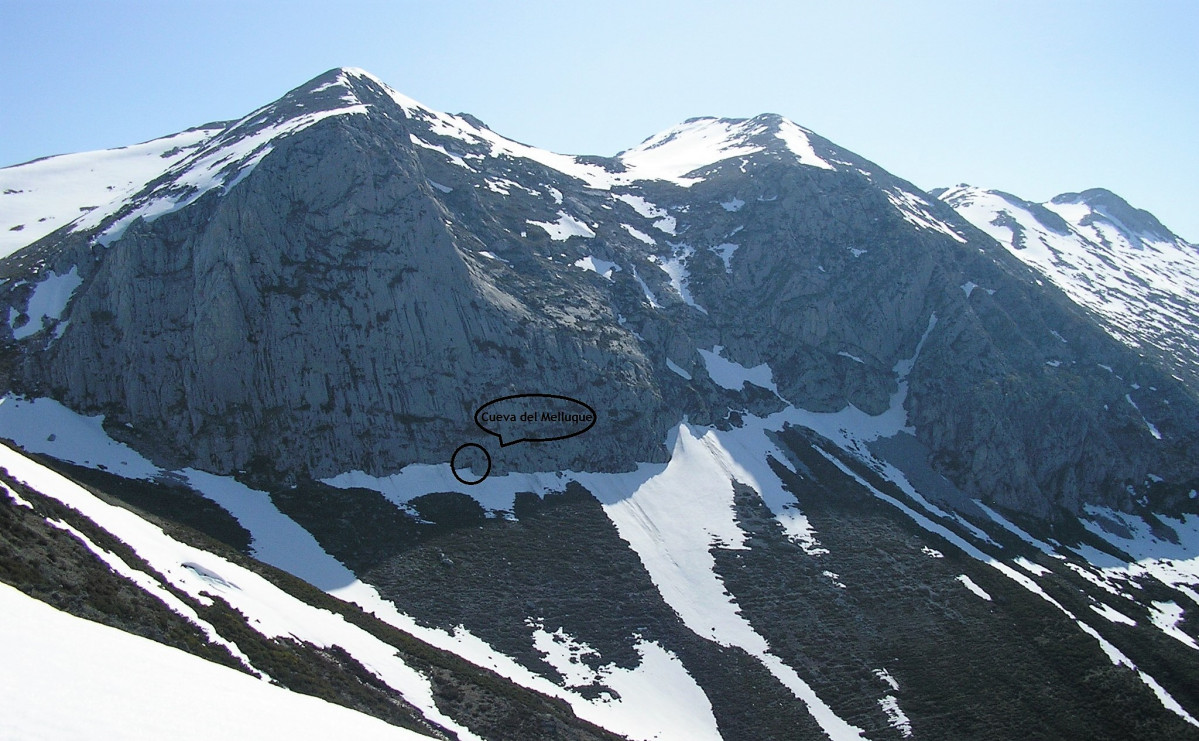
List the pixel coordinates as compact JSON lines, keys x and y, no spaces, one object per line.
{"x":40,"y":196}
{"x":64,"y":677}
{"x":269,"y":610}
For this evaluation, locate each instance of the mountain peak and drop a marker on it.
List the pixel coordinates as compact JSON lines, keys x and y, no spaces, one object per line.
{"x":1105,"y":205}
{"x":698,"y":143}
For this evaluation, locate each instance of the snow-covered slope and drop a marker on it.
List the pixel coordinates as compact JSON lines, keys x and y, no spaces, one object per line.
{"x":64,"y":677}
{"x":40,"y":196}
{"x":676,"y":154}
{"x":677,"y":518}
{"x":1120,"y":262}
{"x":203,"y":575}
{"x":646,"y":702}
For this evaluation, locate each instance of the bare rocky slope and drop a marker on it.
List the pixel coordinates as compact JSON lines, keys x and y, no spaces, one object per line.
{"x":337,"y":282}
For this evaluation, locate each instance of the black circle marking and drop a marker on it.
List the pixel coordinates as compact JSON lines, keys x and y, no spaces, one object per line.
{"x":454,"y":468}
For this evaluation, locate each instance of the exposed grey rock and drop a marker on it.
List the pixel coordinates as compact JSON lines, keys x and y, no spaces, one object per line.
{"x":376,"y":277}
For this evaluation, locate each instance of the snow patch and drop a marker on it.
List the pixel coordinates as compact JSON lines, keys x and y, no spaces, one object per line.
{"x":1166,"y":616}
{"x":639,"y":235}
{"x":649,"y":295}
{"x":895,"y":717}
{"x":677,"y":369}
{"x":733,"y":376}
{"x":676,"y":270}
{"x":663,"y":221}
{"x":974,"y":588}
{"x":123,"y":686}
{"x":493,"y":256}
{"x":1032,"y":568}
{"x":1112,"y":615}
{"x":564,"y":228}
{"x":726,"y":251}
{"x":45,"y":426}
{"x":915,"y":211}
{"x":835,"y":578}
{"x":50,"y":298}
{"x":598,"y":266}
{"x":676,"y":153}
{"x":454,"y":158}
{"x":1149,"y":425}
{"x":796,"y":139}
{"x":885,"y":676}
{"x":634,"y":706}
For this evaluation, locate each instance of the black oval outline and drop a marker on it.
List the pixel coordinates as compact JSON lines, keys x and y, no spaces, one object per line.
{"x":454,"y":470}
{"x":594,"y":418}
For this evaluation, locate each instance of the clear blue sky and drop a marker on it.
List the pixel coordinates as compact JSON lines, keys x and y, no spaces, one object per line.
{"x":1035,"y":98}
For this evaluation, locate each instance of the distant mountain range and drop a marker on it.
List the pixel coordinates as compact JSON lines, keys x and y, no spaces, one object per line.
{"x":1140,"y":279}
{"x":862,"y":461}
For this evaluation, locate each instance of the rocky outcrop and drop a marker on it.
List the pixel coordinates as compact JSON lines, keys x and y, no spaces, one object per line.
{"x":343,"y":292}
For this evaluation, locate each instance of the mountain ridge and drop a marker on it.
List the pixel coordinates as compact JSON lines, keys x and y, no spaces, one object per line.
{"x":1116,"y":260}
{"x":857,"y":469}
{"x":479,"y":201}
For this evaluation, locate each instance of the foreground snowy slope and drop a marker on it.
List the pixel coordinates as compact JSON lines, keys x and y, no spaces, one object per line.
{"x":683,"y":521}
{"x":64,"y":677}
{"x":213,"y":595}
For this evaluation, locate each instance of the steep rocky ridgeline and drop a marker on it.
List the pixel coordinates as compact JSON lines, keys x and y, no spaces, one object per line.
{"x":337,"y":281}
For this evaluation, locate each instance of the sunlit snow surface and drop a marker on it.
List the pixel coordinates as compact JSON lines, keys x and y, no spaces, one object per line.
{"x":662,"y":221}
{"x":279,"y":541}
{"x":687,"y":714}
{"x":675,"y":154}
{"x":268,"y":609}
{"x":1153,"y":556}
{"x":733,"y":376}
{"x":63,"y":677}
{"x":220,"y":162}
{"x":974,"y":588}
{"x":915,"y":211}
{"x":48,"y":193}
{"x":565,"y":227}
{"x":796,"y":139}
{"x":598,"y":266}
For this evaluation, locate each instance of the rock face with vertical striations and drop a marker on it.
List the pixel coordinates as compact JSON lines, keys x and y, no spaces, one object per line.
{"x":338,"y":280}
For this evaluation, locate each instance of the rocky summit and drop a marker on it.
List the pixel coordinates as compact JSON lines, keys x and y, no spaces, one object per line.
{"x":735,"y":413}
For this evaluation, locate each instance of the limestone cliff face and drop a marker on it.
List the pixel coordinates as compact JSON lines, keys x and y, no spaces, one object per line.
{"x":343,"y":292}
{"x":324,"y":315}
